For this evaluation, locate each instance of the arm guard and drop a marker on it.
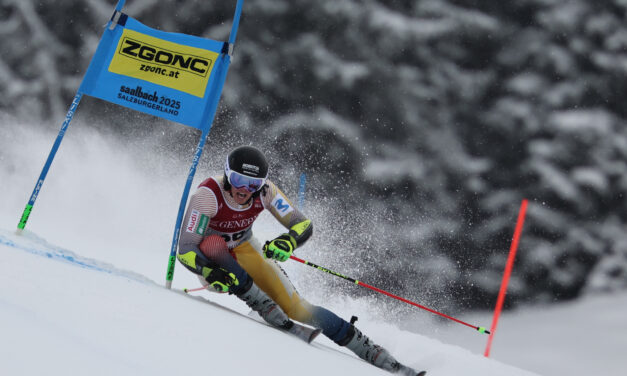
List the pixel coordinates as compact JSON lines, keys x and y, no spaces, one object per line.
{"x":300,"y":232}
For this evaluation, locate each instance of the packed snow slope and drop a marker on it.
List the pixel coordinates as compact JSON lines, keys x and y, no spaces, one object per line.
{"x":101,"y":309}
{"x":64,"y":314}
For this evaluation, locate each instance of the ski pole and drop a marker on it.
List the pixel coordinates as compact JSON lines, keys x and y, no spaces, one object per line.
{"x":480,"y":329}
{"x":187,"y":291}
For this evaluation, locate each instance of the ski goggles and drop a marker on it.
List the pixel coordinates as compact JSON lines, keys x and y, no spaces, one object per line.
{"x":238,"y":180}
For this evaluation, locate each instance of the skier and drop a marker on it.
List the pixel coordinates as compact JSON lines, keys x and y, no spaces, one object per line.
{"x":217,"y":243}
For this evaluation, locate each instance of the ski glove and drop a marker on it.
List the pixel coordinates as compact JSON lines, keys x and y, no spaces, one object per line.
{"x":219,"y":278}
{"x":280,"y":248}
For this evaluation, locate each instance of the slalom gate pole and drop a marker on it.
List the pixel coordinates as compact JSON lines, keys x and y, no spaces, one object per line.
{"x":44,"y":171}
{"x":210,"y":115}
{"x":301,"y":191}
{"x":57,"y":143}
{"x":181,"y":212}
{"x":508,"y":271}
{"x":480,"y":329}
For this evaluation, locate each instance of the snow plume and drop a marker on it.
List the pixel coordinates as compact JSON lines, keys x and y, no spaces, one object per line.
{"x":102,"y":193}
{"x":117,"y":197}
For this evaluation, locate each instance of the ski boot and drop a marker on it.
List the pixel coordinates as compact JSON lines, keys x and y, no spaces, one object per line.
{"x":374,"y":354}
{"x":261,"y":303}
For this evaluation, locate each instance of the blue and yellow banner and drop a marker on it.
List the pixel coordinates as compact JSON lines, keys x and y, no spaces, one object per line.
{"x":174,"y":76}
{"x":169,"y":75}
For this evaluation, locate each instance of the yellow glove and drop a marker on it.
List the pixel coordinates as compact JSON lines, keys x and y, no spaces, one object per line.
{"x":280,"y":248}
{"x":219,"y":278}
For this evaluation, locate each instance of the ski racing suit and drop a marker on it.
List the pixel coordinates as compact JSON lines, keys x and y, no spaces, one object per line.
{"x":212,"y":211}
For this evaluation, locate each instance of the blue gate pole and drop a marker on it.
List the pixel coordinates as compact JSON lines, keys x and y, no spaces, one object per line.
{"x":301,"y":191}
{"x":179,"y":218}
{"x":209,"y":116}
{"x":51,"y":155}
{"x":66,"y":123}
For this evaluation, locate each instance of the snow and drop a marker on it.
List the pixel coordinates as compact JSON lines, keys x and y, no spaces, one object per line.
{"x":592,"y":178}
{"x":81,"y":314}
{"x":82,"y":289}
{"x":586,"y":337}
{"x":587,"y":124}
{"x":95,"y":319}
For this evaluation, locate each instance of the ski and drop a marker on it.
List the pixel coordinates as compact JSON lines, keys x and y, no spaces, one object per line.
{"x":406,"y":371}
{"x":303,"y":332}
{"x":298,"y":330}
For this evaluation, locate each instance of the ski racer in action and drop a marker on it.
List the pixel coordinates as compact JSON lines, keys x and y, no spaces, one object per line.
{"x":217,"y":244}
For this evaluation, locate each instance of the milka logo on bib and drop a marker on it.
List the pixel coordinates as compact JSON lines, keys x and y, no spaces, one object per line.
{"x":282,"y":205}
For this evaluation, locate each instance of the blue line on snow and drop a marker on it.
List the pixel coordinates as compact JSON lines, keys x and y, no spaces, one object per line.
{"x":62,"y":255}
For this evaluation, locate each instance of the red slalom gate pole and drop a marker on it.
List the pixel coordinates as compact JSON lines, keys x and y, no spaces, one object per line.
{"x":480,"y":329}
{"x":508,"y":271}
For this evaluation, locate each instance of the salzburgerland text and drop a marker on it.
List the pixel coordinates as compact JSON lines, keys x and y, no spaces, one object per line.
{"x":154,"y":101}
